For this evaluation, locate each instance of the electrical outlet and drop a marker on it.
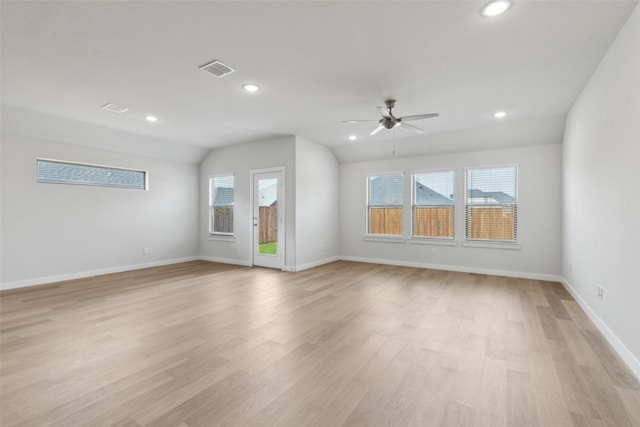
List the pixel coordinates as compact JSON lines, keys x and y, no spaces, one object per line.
{"x":600,"y":291}
{"x":433,"y":251}
{"x":145,"y":251}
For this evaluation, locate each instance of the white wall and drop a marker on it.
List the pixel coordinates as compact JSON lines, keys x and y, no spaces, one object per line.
{"x":539,"y":215}
{"x":52,"y":232}
{"x":317,"y":204}
{"x":601,"y":215}
{"x":239,"y":160}
{"x":43,"y":126}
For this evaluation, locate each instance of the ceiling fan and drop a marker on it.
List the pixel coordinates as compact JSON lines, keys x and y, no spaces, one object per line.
{"x":389,"y":121}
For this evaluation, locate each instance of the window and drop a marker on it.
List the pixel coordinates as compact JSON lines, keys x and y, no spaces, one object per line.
{"x":58,"y":172}
{"x":432,"y":204}
{"x":491,"y":204}
{"x":221,"y":190}
{"x":384,"y":204}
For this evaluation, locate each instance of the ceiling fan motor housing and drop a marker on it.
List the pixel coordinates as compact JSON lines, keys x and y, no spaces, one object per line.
{"x":389,"y":122}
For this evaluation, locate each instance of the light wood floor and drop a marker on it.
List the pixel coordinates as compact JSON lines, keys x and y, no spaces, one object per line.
{"x":345,"y":344}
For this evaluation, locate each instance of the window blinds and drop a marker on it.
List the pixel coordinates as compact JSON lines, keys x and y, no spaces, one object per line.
{"x":491,"y":204}
{"x":432,"y":204}
{"x":221,"y":198}
{"x":384,"y":204}
{"x":58,"y":172}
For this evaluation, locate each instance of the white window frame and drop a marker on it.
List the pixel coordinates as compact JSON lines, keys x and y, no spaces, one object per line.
{"x":218,"y":235}
{"x":433,"y":239}
{"x":502,"y":244}
{"x":384,"y":237}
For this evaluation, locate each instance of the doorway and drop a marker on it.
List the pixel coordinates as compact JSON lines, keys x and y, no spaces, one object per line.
{"x":268,"y":218}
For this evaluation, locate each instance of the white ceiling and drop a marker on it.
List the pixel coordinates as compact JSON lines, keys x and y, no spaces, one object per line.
{"x":318,"y":63}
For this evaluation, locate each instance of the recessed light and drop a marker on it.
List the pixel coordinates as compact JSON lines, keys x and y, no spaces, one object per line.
{"x":352,"y":137}
{"x":151,"y":119}
{"x":251,"y":88}
{"x":495,"y":8}
{"x":500,"y":114}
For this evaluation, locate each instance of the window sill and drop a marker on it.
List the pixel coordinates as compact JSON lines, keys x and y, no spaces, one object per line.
{"x":491,"y":245}
{"x":383,"y":238}
{"x":428,"y":241}
{"x":221,"y":238}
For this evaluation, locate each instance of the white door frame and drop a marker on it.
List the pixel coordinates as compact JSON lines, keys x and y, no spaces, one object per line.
{"x":281,"y":210}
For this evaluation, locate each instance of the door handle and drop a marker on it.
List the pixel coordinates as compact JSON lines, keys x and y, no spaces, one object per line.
{"x":255,"y":221}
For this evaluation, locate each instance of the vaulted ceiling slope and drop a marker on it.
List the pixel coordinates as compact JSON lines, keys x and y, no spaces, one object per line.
{"x":317,"y":63}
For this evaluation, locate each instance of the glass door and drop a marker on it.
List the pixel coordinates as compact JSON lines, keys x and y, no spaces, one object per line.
{"x":268,"y":228}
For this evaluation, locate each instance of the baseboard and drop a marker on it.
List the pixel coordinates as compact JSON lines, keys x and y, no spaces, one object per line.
{"x":622,"y":350}
{"x":241,"y":262}
{"x":246,"y":263}
{"x":99,"y":272}
{"x":84,"y":274}
{"x":458,"y":268}
{"x":313,"y":264}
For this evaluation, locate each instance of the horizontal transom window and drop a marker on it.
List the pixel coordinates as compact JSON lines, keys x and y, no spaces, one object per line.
{"x":59,"y":172}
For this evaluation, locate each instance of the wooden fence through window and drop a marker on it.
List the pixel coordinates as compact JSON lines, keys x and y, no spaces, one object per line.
{"x":433,"y":222}
{"x":484,"y":222}
{"x":222,"y":219}
{"x":385,"y":221}
{"x":268,"y":224}
{"x":491,"y":223}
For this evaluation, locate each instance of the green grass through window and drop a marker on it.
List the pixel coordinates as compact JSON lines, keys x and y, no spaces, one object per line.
{"x":269,"y":248}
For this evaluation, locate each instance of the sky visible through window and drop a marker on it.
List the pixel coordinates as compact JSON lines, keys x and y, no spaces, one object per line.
{"x":440,"y":182}
{"x":488,"y":180}
{"x":502,"y":179}
{"x":493,"y":179}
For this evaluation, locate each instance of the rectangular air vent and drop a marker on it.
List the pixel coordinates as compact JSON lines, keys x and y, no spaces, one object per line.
{"x":114,"y":108}
{"x":217,"y":68}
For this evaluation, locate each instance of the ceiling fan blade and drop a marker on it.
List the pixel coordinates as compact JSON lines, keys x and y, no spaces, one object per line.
{"x":420,"y":117}
{"x":376,"y":130}
{"x":384,"y":112}
{"x":359,"y":121}
{"x":410,"y":128}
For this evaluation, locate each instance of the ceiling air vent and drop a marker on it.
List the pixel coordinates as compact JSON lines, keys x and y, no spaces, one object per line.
{"x":217,"y":68}
{"x":115,"y":108}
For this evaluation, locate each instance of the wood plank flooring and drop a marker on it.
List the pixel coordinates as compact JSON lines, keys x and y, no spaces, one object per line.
{"x":344,"y":344}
